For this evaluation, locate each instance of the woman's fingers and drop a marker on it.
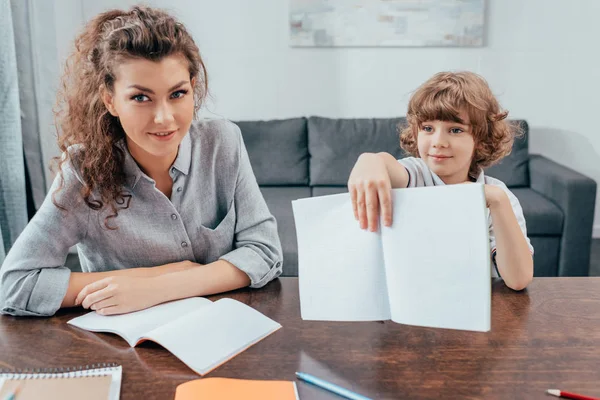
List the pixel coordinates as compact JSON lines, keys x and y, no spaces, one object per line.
{"x":89,"y":289}
{"x":110,"y":310}
{"x":96,"y":296}
{"x":107,"y":302}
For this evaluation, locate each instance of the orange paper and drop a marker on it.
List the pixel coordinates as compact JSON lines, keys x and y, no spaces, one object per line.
{"x":225,"y":389}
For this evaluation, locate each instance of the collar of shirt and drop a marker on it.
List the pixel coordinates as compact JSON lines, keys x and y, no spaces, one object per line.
{"x":480,"y":178}
{"x":438,"y":181}
{"x":181,"y":164}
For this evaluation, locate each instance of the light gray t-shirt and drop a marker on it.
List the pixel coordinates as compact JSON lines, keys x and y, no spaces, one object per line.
{"x":420,"y":175}
{"x":216,"y":211}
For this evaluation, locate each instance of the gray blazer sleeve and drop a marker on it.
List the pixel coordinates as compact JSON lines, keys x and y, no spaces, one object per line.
{"x":257,"y":248}
{"x":33,"y":277}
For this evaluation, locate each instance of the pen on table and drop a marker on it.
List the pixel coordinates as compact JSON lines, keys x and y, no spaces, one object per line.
{"x":330,"y":386}
{"x":13,"y":395}
{"x":568,"y":395}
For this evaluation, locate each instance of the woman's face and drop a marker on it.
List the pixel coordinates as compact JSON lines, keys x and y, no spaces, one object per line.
{"x":154,"y":102}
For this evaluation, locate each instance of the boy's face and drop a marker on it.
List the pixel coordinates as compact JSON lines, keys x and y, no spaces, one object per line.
{"x":447,"y":148}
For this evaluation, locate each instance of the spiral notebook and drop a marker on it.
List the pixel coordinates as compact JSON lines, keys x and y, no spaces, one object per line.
{"x":95,"y":382}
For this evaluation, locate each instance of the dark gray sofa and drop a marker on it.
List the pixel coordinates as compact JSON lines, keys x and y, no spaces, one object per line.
{"x":303,"y":157}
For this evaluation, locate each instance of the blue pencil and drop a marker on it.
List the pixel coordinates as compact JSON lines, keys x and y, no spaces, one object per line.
{"x":330,"y":386}
{"x":13,"y":395}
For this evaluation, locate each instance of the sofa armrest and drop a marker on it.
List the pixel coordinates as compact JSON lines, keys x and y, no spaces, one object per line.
{"x":575,"y":194}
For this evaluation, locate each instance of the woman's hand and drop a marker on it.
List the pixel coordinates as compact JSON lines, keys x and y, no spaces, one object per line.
{"x":371,"y":191}
{"x":80,"y":280}
{"x":120,"y":294}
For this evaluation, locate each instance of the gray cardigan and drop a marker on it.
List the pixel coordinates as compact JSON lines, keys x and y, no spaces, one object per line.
{"x":216,"y":211}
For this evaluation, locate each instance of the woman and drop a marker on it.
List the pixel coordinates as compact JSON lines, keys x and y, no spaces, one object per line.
{"x":161,"y":207}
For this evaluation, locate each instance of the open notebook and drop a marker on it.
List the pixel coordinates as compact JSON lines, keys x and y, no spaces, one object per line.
{"x":225,"y":388}
{"x":99,"y":383}
{"x":201,"y":333}
{"x":430,"y":268}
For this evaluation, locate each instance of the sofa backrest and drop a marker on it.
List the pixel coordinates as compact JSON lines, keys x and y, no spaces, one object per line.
{"x":335,"y":144}
{"x":321,"y":151}
{"x":513,"y":170}
{"x":278,"y":151}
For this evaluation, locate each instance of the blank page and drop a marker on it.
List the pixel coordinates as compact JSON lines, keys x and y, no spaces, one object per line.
{"x":134,"y":325}
{"x":340,"y":266}
{"x":437,"y":257}
{"x":207,"y":338}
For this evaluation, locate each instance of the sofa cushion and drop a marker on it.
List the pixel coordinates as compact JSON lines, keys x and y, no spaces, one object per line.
{"x":279,"y":201}
{"x":542,"y":216}
{"x":513,"y":170}
{"x":278,"y":150}
{"x":335,"y":144}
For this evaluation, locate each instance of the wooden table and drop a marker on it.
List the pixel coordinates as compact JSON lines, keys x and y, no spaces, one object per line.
{"x":544,"y":337}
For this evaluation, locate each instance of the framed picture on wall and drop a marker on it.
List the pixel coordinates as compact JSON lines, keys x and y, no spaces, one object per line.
{"x":386,"y":23}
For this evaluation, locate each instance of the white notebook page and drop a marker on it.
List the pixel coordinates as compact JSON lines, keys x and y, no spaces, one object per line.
{"x":340,"y":266}
{"x":437,"y":257}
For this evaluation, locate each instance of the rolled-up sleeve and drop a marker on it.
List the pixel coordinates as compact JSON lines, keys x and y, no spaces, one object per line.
{"x":33,"y":277}
{"x":419,"y":174}
{"x":257,"y":248}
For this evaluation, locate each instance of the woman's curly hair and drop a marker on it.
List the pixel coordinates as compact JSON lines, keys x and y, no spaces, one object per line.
{"x":443,"y":97}
{"x":80,"y":114}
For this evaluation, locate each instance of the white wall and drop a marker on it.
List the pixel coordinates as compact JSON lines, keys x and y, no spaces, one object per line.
{"x":540,"y":58}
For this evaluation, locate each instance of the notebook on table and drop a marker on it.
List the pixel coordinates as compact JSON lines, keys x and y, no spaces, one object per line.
{"x":430,"y":268}
{"x":201,"y":333}
{"x":101,"y":382}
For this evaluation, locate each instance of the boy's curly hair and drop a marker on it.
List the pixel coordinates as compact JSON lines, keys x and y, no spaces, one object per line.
{"x":443,"y":97}
{"x":108,"y":40}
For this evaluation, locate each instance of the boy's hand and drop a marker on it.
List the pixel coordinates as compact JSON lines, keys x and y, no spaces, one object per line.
{"x":494,"y":195}
{"x":371,"y":191}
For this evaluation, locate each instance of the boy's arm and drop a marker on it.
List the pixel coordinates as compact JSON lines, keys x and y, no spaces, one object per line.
{"x":396,"y":171}
{"x":513,"y":256}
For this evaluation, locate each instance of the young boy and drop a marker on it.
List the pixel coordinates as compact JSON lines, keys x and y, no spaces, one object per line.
{"x":455,"y":129}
